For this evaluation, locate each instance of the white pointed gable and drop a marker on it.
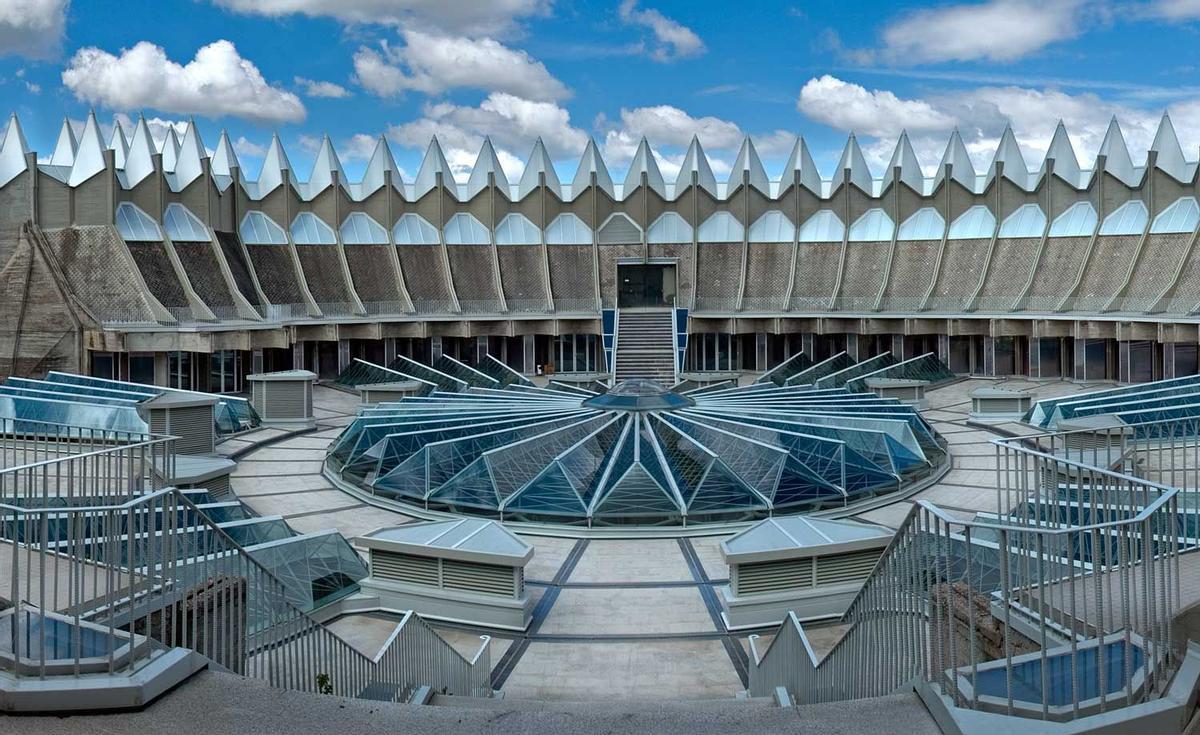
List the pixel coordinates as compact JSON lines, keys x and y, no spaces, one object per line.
{"x":695,"y":162}
{"x":170,"y":150}
{"x":275,"y":164}
{"x":190,"y":164}
{"x":487,"y":162}
{"x":139,"y":162}
{"x":224,"y":159}
{"x":1116,"y":155}
{"x":904,"y":158}
{"x":539,"y":163}
{"x":801,"y":162}
{"x":119,"y":146}
{"x":13,"y":152}
{"x":1066,"y":165}
{"x":1008,"y":153}
{"x":1169,"y":155}
{"x":432,"y":164}
{"x":381,"y":161}
{"x":748,"y":166}
{"x":591,"y":163}
{"x":961,"y":168}
{"x":64,"y":148}
{"x":89,"y":158}
{"x":853,"y":165}
{"x":643,"y":163}
{"x":325,"y":165}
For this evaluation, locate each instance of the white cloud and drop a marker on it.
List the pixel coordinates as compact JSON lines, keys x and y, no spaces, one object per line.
{"x":218,"y":81}
{"x":851,"y":107}
{"x":512,"y":122}
{"x":1175,"y":9}
{"x":996,"y":30}
{"x":245,"y":147}
{"x":314,"y":88}
{"x":434,"y":63}
{"x":32,"y":28}
{"x":477,"y":16}
{"x":157,"y":126}
{"x":672,"y":39}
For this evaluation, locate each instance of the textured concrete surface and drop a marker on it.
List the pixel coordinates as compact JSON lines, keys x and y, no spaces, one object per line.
{"x":612,"y":611}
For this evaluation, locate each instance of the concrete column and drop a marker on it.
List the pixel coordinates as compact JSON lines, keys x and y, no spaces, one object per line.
{"x":435,"y":347}
{"x":1035,"y":357}
{"x":298,"y":356}
{"x":161,"y":365}
{"x":808,"y":344}
{"x":760,"y":352}
{"x":898,"y":346}
{"x":256,"y":361}
{"x":1080,"y":359}
{"x":1124,"y":368}
{"x":389,"y":349}
{"x":852,"y":347}
{"x":1168,"y":360}
{"x":943,"y":348}
{"x":989,"y":356}
{"x":481,"y":349}
{"x":343,"y":354}
{"x":530,"y":346}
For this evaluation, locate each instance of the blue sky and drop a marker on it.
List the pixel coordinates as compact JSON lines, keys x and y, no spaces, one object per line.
{"x":614,"y":70}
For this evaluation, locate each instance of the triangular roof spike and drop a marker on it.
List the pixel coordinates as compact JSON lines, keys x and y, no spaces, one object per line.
{"x":487,"y":162}
{"x":1008,"y":152}
{"x":644,"y":163}
{"x":190,"y":164}
{"x":695,"y":162}
{"x":170,"y":150}
{"x":539,"y":163}
{"x":801,"y":160}
{"x":119,"y":146}
{"x":139,"y":161}
{"x":590,"y":163}
{"x":1169,"y":154}
{"x":1116,"y":155}
{"x":224,"y":159}
{"x":381,"y":161}
{"x":13,"y":152}
{"x":1060,"y":150}
{"x":905,"y":159}
{"x":432,"y":164}
{"x":89,"y":157}
{"x":747,"y":161}
{"x":852,"y":160}
{"x":274,"y":164}
{"x":324,"y":166}
{"x":956,"y":156}
{"x":65,"y":147}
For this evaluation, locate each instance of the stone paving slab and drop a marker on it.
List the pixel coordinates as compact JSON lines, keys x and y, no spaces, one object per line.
{"x":654,"y":560}
{"x":467,"y":643}
{"x":250,"y":467}
{"x":250,"y":486}
{"x":708,"y":551}
{"x":296,"y":503}
{"x":352,"y":523}
{"x":621,"y":672}
{"x":628,"y":611}
{"x":549,"y":553}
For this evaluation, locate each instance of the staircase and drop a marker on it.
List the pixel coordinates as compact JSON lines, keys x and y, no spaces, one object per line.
{"x":645,"y":346}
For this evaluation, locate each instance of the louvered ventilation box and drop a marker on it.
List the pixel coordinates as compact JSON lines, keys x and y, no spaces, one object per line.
{"x":186,"y":416}
{"x":469,"y":571}
{"x":385,"y":392}
{"x":907,"y":391}
{"x":999,"y":405}
{"x":812,"y":566}
{"x":283,"y":399}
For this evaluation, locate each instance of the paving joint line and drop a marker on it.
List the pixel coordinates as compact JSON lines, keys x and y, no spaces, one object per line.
{"x":737,"y":655}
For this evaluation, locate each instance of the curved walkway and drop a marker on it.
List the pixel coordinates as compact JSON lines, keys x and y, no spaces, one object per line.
{"x":615,"y":619}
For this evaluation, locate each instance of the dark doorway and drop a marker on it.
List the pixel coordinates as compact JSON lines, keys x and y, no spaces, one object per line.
{"x":645,"y":285}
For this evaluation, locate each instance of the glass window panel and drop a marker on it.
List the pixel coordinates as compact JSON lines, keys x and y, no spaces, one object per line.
{"x":516,"y":229}
{"x":1028,"y":220}
{"x":670,"y":228}
{"x":568,"y":229}
{"x":824,"y":226}
{"x":773,"y":226}
{"x":135,"y":225}
{"x":1079,"y":220}
{"x":976,"y":223}
{"x":1128,"y":219}
{"x":924,"y":224}
{"x":309,"y":229}
{"x":873,"y":226}
{"x":721,"y":227}
{"x":412,"y":229}
{"x":360,"y":229}
{"x":183,"y":226}
{"x":259,"y":229}
{"x":463,"y":229}
{"x":1182,"y":216}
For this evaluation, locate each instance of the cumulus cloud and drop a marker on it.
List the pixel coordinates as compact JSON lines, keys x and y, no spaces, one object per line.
{"x":512,"y":122}
{"x":243,"y":146}
{"x":434,"y":63}
{"x":996,"y":30}
{"x":218,"y":81}
{"x":848,"y":106}
{"x":314,"y":88}
{"x":32,"y":28}
{"x":478,"y":16}
{"x":671,"y":39}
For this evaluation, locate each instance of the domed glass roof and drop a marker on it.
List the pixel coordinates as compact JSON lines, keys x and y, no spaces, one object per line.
{"x":639,"y":454}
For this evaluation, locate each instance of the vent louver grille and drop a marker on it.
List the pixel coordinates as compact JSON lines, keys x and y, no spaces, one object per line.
{"x":427,"y":571}
{"x":846,"y":568}
{"x":806,"y":573}
{"x":487,"y":579}
{"x":422,"y":570}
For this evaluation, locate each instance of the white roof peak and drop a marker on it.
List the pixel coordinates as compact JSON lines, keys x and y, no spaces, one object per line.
{"x":432,"y":164}
{"x":1169,"y":156}
{"x":695,"y":162}
{"x":224,"y":158}
{"x":139,"y":162}
{"x":274,"y":164}
{"x":1008,"y":153}
{"x":748,"y":162}
{"x":381,"y":161}
{"x":1116,"y":155}
{"x":591,"y":163}
{"x":89,"y":157}
{"x":644,"y":163}
{"x":905,"y":159}
{"x":487,"y":162}
{"x":324,"y":166}
{"x":1060,"y":150}
{"x":119,"y":145}
{"x":170,"y":150}
{"x":65,"y":147}
{"x":852,"y":160}
{"x":189,"y":166}
{"x":13,"y":152}
{"x":801,"y":161}
{"x":539,"y":163}
{"x":956,"y":156}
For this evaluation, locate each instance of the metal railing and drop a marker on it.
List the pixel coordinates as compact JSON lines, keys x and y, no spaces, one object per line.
{"x":107,"y":589}
{"x":1057,"y":605}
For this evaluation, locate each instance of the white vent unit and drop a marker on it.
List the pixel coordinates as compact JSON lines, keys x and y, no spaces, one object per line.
{"x":283,"y":398}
